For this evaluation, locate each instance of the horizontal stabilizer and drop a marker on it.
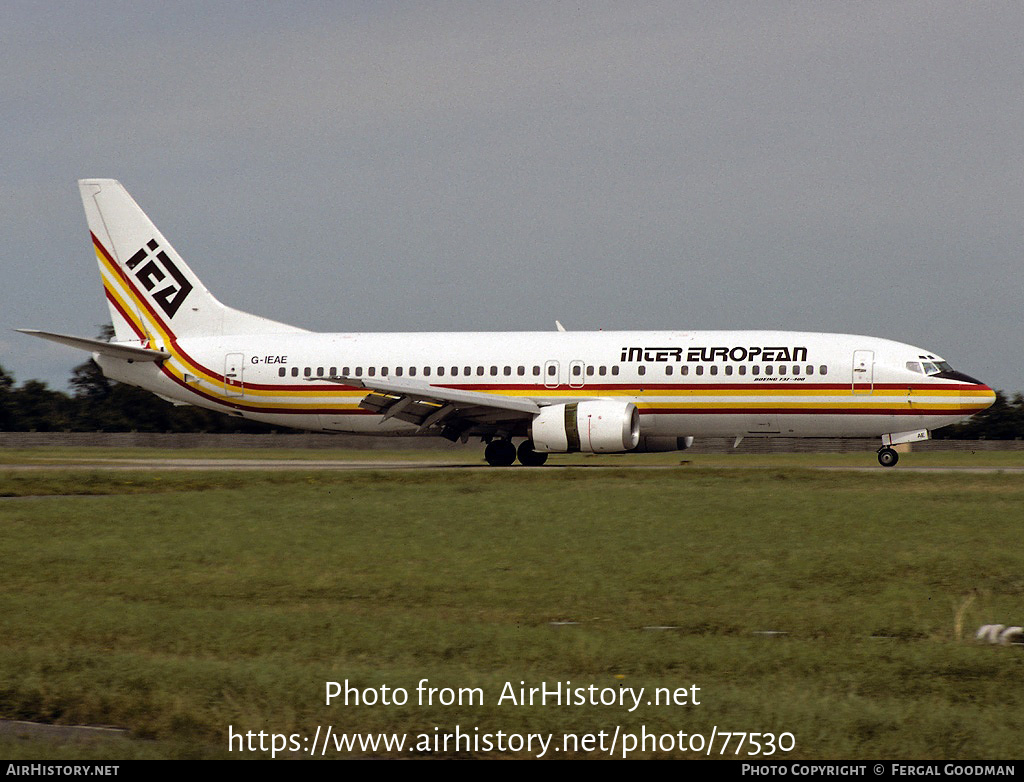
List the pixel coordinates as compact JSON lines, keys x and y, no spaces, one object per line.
{"x":112,"y":349}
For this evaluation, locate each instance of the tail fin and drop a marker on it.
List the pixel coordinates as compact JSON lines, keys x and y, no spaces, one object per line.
{"x":152,"y":293}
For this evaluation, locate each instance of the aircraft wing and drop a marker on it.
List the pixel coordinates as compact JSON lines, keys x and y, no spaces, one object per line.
{"x":433,"y":406}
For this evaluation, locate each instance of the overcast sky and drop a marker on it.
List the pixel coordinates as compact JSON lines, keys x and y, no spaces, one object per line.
{"x":836,"y":167}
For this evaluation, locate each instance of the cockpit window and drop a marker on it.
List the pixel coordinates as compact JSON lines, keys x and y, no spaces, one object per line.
{"x":929,"y":367}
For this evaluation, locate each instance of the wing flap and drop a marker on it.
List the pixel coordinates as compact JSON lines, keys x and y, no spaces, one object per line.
{"x":430,"y":406}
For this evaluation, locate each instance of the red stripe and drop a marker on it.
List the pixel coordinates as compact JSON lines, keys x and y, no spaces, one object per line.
{"x":117,"y":305}
{"x":794,"y":411}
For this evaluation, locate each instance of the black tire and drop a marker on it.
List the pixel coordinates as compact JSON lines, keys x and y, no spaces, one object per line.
{"x":500,"y":453}
{"x":529,"y":457}
{"x":887,"y":457}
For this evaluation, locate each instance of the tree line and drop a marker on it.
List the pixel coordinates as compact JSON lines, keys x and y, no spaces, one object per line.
{"x":98,"y":404}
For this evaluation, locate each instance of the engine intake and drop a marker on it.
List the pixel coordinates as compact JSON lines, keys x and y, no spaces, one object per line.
{"x":598,"y":426}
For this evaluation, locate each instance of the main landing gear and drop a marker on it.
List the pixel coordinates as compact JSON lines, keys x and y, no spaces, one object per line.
{"x":887,"y":457}
{"x":502,"y":453}
{"x":529,"y":457}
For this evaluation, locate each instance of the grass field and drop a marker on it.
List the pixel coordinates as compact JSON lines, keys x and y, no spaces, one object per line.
{"x":839,"y":607}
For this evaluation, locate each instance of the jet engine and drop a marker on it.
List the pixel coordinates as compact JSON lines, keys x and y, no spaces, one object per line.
{"x":599,"y":426}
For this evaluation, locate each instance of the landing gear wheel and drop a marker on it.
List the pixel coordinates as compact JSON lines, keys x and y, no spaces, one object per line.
{"x":500,"y":453}
{"x":887,"y":457}
{"x":529,"y":457}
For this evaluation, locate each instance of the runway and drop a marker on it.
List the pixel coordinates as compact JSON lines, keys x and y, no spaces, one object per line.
{"x":389,"y":465}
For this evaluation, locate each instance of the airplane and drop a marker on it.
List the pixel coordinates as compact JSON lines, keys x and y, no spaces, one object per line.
{"x":553,"y":392}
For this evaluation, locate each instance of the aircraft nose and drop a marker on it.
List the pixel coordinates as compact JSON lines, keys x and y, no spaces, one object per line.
{"x":976,"y":398}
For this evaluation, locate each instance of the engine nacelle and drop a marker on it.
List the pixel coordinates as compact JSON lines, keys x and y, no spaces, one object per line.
{"x":657,"y":444}
{"x":599,"y":426}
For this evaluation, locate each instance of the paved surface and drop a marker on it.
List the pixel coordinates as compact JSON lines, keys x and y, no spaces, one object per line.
{"x":381,"y":464}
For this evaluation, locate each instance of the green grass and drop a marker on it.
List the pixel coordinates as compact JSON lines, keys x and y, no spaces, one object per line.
{"x":176,"y":604}
{"x":50,"y":455}
{"x":473,"y":454}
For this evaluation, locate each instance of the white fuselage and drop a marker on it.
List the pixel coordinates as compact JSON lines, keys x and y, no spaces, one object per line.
{"x":684,"y":383}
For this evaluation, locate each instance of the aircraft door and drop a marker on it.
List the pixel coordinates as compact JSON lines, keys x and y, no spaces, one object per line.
{"x":233,"y":365}
{"x":863,"y":376}
{"x":551,"y":371}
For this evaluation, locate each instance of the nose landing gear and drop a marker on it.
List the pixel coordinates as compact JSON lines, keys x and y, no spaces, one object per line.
{"x":887,"y":457}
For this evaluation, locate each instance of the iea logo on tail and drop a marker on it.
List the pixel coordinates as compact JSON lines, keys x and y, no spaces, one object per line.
{"x":151,"y":266}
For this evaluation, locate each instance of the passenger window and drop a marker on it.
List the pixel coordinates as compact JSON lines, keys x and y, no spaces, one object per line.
{"x":319,"y":371}
{"x":602,"y":371}
{"x":383,"y":371}
{"x":334,"y":371}
{"x":494,"y":371}
{"x":576,"y":370}
{"x":480,"y":371}
{"x":359,"y":371}
{"x":743,"y":370}
{"x":426,"y":371}
{"x":755,"y":370}
{"x":536,"y":371}
{"x":641,"y":370}
{"x":282,"y":372}
{"x":307,"y":371}
{"x":796,"y":370}
{"x":615,"y":370}
{"x":668,"y":370}
{"x":371,"y":371}
{"x":552,"y":370}
{"x":823,"y":370}
{"x":398,"y":371}
{"x":810,"y":369}
{"x":728,"y":369}
{"x":590,"y":370}
{"x":467,"y":371}
{"x":412,"y":372}
{"x":768,"y":370}
{"x":782,"y":370}
{"x":508,"y":371}
{"x":520,"y":370}
{"x":700,"y":370}
{"x":714,"y":369}
{"x":684,"y":370}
